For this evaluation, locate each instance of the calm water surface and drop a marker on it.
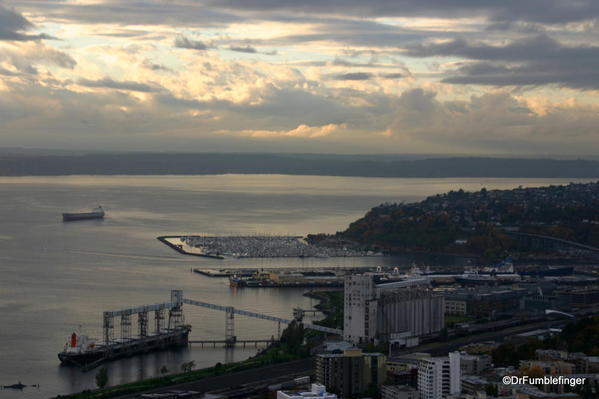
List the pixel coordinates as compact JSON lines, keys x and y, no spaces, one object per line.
{"x":56,"y":277}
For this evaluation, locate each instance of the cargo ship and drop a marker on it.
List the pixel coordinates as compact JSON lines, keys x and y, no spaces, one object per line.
{"x":83,"y":351}
{"x":97,"y":213}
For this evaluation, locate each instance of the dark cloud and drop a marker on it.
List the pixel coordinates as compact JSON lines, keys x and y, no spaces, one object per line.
{"x":356,"y":33}
{"x":183,"y":42}
{"x":365,"y":76}
{"x":25,"y":58}
{"x":545,"y":11}
{"x":346,"y":63}
{"x":243,"y":49}
{"x":12,"y":25}
{"x":131,"y":12}
{"x":118,"y":85}
{"x":536,"y":60}
{"x":354,"y":76}
{"x":156,"y":67}
{"x":392,"y":75}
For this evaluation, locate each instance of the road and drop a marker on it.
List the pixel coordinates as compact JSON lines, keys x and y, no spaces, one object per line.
{"x":239,"y":378}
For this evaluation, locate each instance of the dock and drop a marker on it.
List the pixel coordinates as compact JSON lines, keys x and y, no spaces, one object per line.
{"x":228,"y":343}
{"x":86,"y":354}
{"x":225,"y":272}
{"x":183,"y":248}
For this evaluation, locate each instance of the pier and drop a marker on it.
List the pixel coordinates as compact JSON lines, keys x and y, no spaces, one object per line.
{"x":165,"y":323}
{"x":299,"y":313}
{"x":228,"y":344}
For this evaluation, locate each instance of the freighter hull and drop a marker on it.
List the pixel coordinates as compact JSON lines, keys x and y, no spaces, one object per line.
{"x":135,"y":346}
{"x":68,"y":217}
{"x":80,"y":359}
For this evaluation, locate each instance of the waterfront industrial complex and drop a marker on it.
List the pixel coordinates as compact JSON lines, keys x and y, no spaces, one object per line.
{"x":423,"y":331}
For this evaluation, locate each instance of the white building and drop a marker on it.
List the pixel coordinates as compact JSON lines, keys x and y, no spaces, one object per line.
{"x":381,"y":312}
{"x":439,"y":377}
{"x":317,"y":391}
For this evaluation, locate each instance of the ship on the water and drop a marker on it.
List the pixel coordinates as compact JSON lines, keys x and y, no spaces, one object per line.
{"x":85,"y":352}
{"x":97,"y":213}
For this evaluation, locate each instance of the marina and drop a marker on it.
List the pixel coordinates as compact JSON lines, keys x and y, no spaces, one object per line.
{"x":258,"y":246}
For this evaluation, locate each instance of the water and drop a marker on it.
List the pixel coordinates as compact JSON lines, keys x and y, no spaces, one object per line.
{"x":55,"y":276}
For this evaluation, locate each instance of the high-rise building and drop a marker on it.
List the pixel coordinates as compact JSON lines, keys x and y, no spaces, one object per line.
{"x":351,"y":372}
{"x":439,"y":377}
{"x":378,"y":312}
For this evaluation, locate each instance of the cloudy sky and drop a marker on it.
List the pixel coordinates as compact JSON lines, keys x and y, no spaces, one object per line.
{"x":347,"y":76}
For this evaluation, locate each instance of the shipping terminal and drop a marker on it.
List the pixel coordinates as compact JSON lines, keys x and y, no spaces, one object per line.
{"x":84,"y":352}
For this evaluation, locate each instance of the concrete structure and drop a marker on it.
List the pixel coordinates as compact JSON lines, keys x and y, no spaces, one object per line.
{"x":439,"y":377}
{"x":403,"y":370}
{"x":474,"y":364}
{"x":351,"y":372}
{"x":405,"y":362}
{"x":556,"y":367}
{"x":455,"y":307}
{"x":532,"y":392}
{"x":472,"y":384}
{"x":317,"y":391}
{"x":484,"y":302}
{"x":385,"y":312}
{"x":399,"y":392}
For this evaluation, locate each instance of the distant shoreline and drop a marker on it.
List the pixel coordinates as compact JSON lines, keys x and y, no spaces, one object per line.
{"x":293,"y":164}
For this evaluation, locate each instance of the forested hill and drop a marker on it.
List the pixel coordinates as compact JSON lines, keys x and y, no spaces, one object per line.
{"x":479,"y":222}
{"x":293,"y":164}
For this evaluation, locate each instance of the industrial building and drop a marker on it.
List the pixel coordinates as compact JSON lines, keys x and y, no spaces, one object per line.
{"x":396,"y":311}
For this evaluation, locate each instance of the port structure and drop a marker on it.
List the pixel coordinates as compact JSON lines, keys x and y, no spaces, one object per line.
{"x":176,"y":318}
{"x":299,"y":313}
{"x":230,"y":312}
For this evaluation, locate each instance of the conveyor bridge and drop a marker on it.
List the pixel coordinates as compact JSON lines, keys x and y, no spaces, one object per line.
{"x":175,"y":318}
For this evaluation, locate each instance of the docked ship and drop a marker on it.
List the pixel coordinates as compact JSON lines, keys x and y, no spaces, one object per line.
{"x":85,"y":352}
{"x":97,"y":213}
{"x":288,"y":279}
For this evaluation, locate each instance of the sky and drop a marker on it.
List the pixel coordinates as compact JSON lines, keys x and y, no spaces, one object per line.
{"x":325,"y":76}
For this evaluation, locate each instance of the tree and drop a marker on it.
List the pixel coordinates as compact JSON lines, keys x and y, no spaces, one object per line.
{"x":163,"y":370}
{"x":491,"y":390}
{"x":444,"y":335}
{"x":102,"y":378}
{"x":293,"y":336}
{"x":217,"y":368}
{"x":187,"y":367}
